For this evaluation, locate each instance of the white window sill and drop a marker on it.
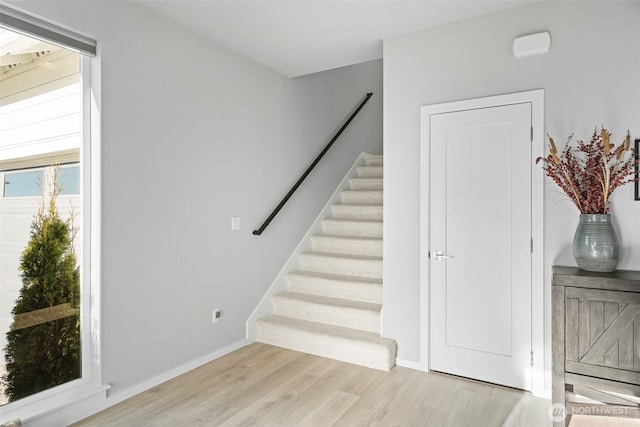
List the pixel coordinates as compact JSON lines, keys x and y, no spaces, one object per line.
{"x":33,"y":407}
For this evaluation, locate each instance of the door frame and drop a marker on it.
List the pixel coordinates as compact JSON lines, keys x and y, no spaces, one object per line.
{"x":536,"y":98}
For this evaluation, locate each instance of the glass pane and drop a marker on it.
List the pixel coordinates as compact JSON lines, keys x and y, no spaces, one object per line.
{"x":69,"y":180}
{"x":23,"y":184}
{"x":40,"y":250}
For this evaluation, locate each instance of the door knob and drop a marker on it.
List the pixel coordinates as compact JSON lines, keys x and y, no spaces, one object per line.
{"x":439,"y":256}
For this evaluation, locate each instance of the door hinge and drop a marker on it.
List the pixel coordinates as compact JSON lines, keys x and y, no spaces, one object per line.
{"x":531,"y":245}
{"x":531,"y":358}
{"x":531,"y":133}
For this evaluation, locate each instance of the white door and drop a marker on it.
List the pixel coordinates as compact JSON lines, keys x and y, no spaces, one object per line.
{"x":480,"y":246}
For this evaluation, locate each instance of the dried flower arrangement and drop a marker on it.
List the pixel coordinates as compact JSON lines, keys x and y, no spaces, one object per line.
{"x":589,"y":173}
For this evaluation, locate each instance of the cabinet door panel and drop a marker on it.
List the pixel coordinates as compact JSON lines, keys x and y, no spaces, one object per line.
{"x":625,"y":347}
{"x":602,"y":330}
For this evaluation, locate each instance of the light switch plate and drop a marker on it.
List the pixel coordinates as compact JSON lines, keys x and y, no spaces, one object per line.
{"x":236,"y":223}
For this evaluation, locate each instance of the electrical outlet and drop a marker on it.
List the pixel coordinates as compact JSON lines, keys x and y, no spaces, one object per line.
{"x":216,"y":315}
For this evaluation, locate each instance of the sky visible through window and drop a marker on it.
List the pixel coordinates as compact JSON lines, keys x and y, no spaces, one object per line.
{"x":28,"y":183}
{"x":23,"y":184}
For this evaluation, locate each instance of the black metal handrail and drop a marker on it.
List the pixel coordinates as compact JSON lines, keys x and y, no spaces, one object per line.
{"x":310,"y":168}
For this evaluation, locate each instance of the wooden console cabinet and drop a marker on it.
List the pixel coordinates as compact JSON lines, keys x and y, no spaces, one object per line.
{"x":596,"y":342}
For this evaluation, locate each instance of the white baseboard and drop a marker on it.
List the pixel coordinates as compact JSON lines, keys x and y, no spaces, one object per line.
{"x":166,"y":376}
{"x":411,"y":364}
{"x":81,"y":410}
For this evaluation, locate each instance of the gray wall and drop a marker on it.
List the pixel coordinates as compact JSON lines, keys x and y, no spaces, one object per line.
{"x":590,"y":77}
{"x":193,"y":134}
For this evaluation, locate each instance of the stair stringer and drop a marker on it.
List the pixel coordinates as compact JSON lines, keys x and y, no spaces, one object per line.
{"x":279,"y":284}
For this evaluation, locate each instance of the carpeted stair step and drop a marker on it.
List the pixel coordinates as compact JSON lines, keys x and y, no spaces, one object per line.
{"x":365,"y":212}
{"x":363,"y":316}
{"x":361,"y":197}
{"x":370,"y":267}
{"x":336,"y":286}
{"x":352,"y":228}
{"x":370,"y":171}
{"x":345,"y":344}
{"x":366,"y":246}
{"x":373,"y":160}
{"x":366,"y":184}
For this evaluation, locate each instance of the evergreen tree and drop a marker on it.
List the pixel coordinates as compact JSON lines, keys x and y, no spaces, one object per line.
{"x":39,"y":356}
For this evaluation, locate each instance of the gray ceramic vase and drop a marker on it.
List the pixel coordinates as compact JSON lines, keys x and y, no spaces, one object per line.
{"x":595,"y":245}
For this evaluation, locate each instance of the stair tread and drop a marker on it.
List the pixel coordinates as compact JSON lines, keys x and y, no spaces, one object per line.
{"x":366,"y":179}
{"x":366,"y":184}
{"x":368,"y":212}
{"x":335,"y":302}
{"x":355,"y":206}
{"x":351,"y":221}
{"x":363,"y":191}
{"x":331,"y":285}
{"x":346,"y":238}
{"x":353,"y":227}
{"x":342,"y":256}
{"x":366,"y":170}
{"x":335,"y":243}
{"x":337,"y":277}
{"x":328,"y":330}
{"x":346,"y":245}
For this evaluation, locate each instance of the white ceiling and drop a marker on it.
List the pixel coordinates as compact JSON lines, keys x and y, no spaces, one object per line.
{"x":301,"y":37}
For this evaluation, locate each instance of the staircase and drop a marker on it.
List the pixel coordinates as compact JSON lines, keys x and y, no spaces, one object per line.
{"x":331,"y":307}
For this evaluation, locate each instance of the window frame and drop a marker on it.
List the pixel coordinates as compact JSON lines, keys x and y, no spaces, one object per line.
{"x":90,"y":382}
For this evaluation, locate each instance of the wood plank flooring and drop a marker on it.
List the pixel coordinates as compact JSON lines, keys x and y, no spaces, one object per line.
{"x":268,"y":386}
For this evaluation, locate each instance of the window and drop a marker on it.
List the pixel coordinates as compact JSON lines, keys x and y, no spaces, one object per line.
{"x":44,"y":153}
{"x":69,"y":180}
{"x":40,"y":284}
{"x":29,"y":183}
{"x":23,"y":184}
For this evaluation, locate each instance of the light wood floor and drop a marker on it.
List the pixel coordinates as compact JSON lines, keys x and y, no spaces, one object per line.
{"x":268,"y":386}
